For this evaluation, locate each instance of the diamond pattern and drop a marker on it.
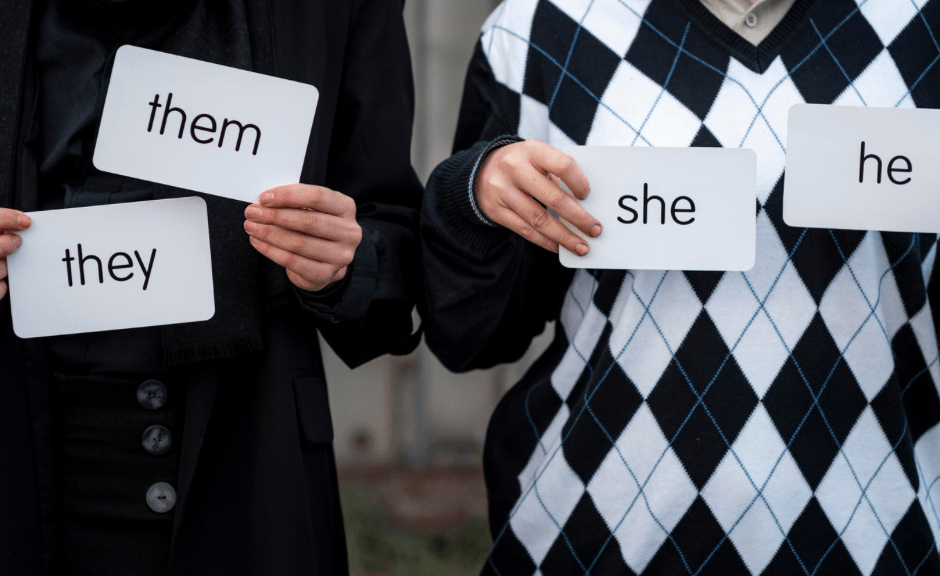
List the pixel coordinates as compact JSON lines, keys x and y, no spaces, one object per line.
{"x":779,"y":421}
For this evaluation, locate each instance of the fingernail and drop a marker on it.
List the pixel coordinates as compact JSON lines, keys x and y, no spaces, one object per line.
{"x":581,"y":249}
{"x":267,"y":197}
{"x":23,"y":219}
{"x":253,"y":212}
{"x":250,"y":226}
{"x":17,"y":241}
{"x":596,"y":231}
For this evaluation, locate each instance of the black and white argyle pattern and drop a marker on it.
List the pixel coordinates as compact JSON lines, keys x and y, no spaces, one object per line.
{"x":778,"y":421}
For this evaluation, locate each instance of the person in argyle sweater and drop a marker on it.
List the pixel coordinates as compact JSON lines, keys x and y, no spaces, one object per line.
{"x":778,"y":421}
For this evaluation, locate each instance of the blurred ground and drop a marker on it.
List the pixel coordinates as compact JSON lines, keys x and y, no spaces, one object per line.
{"x":404,"y":522}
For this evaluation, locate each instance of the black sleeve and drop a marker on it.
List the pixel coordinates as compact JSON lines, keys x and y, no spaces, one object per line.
{"x":369,"y":313}
{"x":488,"y":291}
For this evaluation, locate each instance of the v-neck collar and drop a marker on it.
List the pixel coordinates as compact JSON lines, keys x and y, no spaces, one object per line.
{"x":759,"y":57}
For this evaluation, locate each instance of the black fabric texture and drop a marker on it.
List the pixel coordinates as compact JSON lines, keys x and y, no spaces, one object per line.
{"x":257,"y":488}
{"x":74,"y":55}
{"x":103,"y":473}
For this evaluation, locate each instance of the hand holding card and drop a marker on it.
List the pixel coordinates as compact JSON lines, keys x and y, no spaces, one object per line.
{"x":517,"y":182}
{"x":309,"y":230}
{"x":10,"y":221}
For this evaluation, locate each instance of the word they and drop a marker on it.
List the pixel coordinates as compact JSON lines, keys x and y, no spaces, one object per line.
{"x":112,"y":266}
{"x":662,"y":208}
{"x":209,"y":128}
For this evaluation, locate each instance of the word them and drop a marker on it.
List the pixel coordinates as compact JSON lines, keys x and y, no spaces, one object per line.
{"x":209,"y":128}
{"x":112,"y":266}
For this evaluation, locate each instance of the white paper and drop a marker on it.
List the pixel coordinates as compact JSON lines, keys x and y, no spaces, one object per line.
{"x":822,"y":188}
{"x":719,"y":235}
{"x":130,"y":142}
{"x":160,"y":244}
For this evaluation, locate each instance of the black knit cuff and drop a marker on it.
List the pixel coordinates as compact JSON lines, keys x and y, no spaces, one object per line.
{"x":456,"y":195}
{"x":349,"y":298}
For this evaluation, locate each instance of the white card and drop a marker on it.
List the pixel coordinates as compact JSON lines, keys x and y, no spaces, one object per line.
{"x":833,"y":182}
{"x":112,"y":267}
{"x":700,"y":206}
{"x":267,"y":119}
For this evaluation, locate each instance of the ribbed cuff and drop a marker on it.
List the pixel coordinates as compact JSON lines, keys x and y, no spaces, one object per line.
{"x":456,"y":195}
{"x":349,"y":298}
{"x":472,"y":184}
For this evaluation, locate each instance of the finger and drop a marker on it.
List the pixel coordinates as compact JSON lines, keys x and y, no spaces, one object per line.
{"x":302,"y":244}
{"x":560,"y":164}
{"x":309,"y":222}
{"x":3,"y":289}
{"x":311,"y":270}
{"x":538,"y":218}
{"x":9,"y":244}
{"x":543,"y":189}
{"x":13,"y":220}
{"x":308,"y":197}
{"x":4,"y":271}
{"x":514,"y":222}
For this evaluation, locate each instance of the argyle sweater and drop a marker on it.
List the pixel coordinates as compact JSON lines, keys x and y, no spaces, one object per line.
{"x":778,"y":421}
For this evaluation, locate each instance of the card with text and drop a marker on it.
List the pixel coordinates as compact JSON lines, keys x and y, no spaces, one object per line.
{"x":112,"y":267}
{"x":202,"y":126}
{"x":669,"y":208}
{"x":863,"y":168}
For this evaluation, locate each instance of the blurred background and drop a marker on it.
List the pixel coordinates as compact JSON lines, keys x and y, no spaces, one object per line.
{"x":408,"y":433}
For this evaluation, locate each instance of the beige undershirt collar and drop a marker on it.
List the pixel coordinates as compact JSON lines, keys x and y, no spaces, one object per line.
{"x":753,"y":20}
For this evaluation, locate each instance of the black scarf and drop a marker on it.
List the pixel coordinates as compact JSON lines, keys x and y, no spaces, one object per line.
{"x":234,"y":33}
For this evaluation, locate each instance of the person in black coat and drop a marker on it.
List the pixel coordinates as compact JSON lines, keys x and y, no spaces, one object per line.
{"x":204,"y":448}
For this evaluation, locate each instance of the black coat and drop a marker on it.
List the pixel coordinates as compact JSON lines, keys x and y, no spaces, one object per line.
{"x":257,"y":474}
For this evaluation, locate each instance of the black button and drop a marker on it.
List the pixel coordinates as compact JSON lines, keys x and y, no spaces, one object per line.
{"x":157,"y":440}
{"x":152,"y":394}
{"x":161,"y":497}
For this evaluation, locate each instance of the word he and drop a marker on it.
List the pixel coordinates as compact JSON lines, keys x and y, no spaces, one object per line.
{"x":112,"y":266}
{"x":209,"y":128}
{"x":662,"y":205}
{"x":891,"y":169}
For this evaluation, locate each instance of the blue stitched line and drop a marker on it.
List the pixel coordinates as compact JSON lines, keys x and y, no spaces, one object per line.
{"x":689,"y":416}
{"x":499,"y":18}
{"x":927,"y":489}
{"x":918,"y":375}
{"x":759,"y":114}
{"x":926,"y":25}
{"x":822,"y":389}
{"x":865,"y":497}
{"x":590,"y":368}
{"x":790,"y":73}
{"x":919,"y":78}
{"x":564,"y":70}
{"x":568,"y":435}
{"x":929,"y":552}
{"x":836,"y":60}
{"x":569,"y":75}
{"x":665,"y":84}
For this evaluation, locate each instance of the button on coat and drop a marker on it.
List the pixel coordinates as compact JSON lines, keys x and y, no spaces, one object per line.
{"x":157,"y":440}
{"x":161,"y":497}
{"x":152,"y":394}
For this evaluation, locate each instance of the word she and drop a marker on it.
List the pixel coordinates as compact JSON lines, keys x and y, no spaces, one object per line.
{"x":209,"y":126}
{"x":122,"y":264}
{"x":891,"y":169}
{"x":662,"y":208}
